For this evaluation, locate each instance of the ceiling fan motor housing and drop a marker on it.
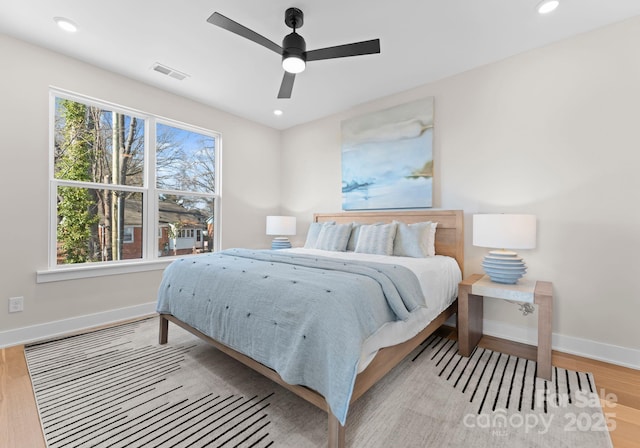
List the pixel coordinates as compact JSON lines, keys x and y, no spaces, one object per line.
{"x":294,"y":45}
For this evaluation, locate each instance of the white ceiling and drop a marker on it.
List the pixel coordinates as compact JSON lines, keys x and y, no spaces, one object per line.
{"x":421,"y":41}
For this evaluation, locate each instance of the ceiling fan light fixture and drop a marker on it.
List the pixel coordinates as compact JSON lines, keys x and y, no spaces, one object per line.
{"x":546,"y":6}
{"x":293,"y":64}
{"x":293,"y":54}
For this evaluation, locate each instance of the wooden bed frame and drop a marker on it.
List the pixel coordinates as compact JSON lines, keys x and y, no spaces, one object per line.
{"x":449,"y":241}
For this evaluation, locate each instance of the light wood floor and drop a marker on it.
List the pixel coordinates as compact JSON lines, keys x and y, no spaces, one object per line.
{"x":20,"y":426}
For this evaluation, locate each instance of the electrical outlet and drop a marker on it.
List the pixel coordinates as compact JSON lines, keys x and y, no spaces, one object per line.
{"x":16,"y":304}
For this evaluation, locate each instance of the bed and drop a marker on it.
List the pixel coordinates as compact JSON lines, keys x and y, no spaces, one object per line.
{"x":377,"y":355}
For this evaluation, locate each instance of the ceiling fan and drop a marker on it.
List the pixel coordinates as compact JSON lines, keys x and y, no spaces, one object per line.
{"x":294,"y":49}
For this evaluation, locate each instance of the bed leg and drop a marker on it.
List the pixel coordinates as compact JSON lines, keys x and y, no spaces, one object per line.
{"x":336,"y":432}
{"x":163,"y":334}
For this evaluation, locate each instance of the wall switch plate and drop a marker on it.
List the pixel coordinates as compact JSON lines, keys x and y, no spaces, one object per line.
{"x":16,"y":304}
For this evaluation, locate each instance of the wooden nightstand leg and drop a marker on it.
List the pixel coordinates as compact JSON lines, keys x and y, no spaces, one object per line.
{"x":470,"y":311}
{"x":543,"y":297}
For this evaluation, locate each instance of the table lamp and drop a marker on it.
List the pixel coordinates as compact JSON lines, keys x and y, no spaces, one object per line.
{"x":503,"y":232}
{"x":281,"y":225}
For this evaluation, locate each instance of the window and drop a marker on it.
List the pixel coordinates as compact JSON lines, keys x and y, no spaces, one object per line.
{"x":128,"y":235}
{"x":128,"y":186}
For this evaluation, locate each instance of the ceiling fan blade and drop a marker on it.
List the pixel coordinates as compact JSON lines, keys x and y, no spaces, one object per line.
{"x":229,"y":25}
{"x":341,"y":51}
{"x":287,"y":85}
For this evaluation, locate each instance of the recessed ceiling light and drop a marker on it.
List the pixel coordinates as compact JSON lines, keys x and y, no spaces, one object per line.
{"x":66,"y":24}
{"x":547,"y":6}
{"x":277,"y":112}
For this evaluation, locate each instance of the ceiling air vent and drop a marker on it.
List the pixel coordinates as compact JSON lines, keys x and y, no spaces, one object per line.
{"x":169,"y":71}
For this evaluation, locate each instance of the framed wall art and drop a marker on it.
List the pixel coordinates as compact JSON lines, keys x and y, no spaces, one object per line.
{"x":387,"y":158}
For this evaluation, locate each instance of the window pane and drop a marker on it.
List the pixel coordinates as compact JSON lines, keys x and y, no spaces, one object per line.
{"x":185,"y":160}
{"x":129,"y":234}
{"x":94,"y":225}
{"x":181,"y":218}
{"x":85,"y":138}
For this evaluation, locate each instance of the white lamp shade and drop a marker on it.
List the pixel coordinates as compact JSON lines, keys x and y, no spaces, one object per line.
{"x":281,"y":225}
{"x":504,"y":231}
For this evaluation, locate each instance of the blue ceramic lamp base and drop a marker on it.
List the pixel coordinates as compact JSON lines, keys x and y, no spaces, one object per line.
{"x":503,"y":266}
{"x":280,"y":242}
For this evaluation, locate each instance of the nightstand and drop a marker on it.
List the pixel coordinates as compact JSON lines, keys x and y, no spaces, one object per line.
{"x":470,"y":299}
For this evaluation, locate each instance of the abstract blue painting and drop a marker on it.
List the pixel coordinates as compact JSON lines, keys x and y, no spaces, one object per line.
{"x":387,"y":158}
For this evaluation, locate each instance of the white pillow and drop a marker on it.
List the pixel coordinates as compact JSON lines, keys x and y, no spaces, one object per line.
{"x":334,"y":237}
{"x":314,"y":232}
{"x":415,"y":240}
{"x":376,"y":239}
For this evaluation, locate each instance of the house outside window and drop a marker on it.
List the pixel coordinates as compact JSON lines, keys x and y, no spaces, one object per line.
{"x":127,"y":185}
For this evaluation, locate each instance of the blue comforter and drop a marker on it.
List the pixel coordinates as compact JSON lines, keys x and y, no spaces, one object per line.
{"x":303,"y":316}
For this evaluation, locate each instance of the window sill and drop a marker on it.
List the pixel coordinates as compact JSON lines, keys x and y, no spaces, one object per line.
{"x":99,"y":270}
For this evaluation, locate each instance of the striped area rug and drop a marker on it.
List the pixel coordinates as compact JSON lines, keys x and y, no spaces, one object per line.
{"x":498,"y":381}
{"x":117,"y":387}
{"x":99,"y":389}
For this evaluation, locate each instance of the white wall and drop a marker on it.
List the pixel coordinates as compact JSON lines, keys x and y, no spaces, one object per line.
{"x":554,"y":132}
{"x":250,"y":190}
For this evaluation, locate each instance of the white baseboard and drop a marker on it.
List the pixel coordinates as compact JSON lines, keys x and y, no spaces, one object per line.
{"x":622,"y":356}
{"x":56,"y":328}
{"x":600,"y":351}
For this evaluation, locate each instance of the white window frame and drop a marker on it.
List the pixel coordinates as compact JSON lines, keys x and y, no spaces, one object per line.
{"x":150,"y":258}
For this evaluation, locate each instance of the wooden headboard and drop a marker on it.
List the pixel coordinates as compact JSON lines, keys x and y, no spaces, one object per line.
{"x":449,"y":233}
